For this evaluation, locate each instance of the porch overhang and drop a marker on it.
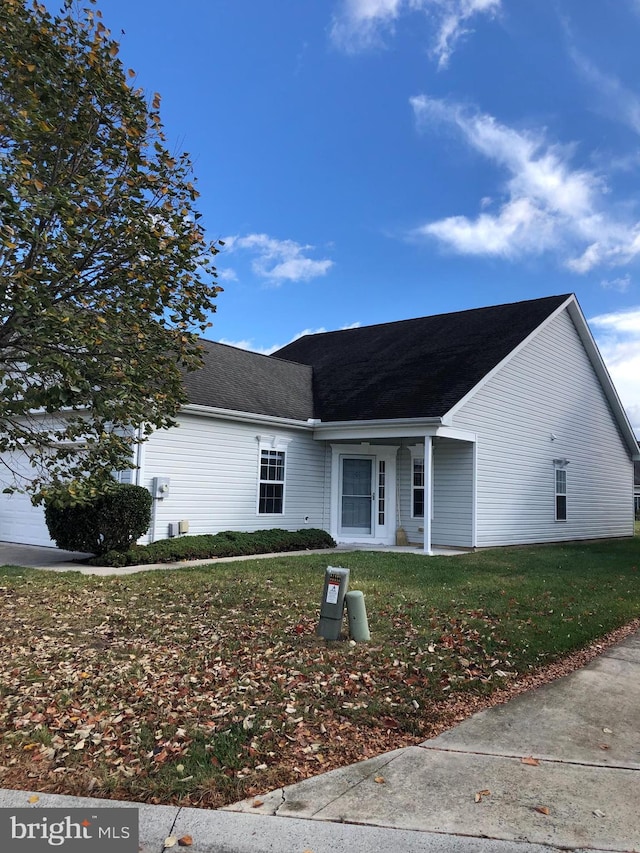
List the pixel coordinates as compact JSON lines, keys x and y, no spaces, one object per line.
{"x":380,"y":441}
{"x":386,"y":429}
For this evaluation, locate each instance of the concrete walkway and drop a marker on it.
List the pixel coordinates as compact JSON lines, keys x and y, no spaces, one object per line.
{"x":466,"y":791}
{"x":57,"y":560}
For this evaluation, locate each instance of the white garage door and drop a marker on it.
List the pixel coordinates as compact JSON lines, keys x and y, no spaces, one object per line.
{"x":20,"y":521}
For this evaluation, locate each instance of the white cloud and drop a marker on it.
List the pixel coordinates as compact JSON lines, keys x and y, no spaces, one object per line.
{"x":361,"y":24}
{"x":519,"y":223}
{"x":245,"y":343}
{"x":616,"y":101}
{"x":620,"y":285}
{"x":249,"y":345}
{"x":548,"y":204}
{"x":278,"y":260}
{"x":227,"y":274}
{"x":618,"y":337}
{"x":453,"y":24}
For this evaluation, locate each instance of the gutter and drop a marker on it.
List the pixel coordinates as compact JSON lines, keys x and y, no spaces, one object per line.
{"x":380,"y":422}
{"x":246,"y":417}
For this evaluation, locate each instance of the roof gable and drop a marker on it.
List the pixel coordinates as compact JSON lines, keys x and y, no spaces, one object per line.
{"x":413,"y":368}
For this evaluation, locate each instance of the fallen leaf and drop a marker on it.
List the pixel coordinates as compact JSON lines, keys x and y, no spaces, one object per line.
{"x":34,"y":798}
{"x":531,"y":761}
{"x":541,"y":809}
{"x":170,"y":841}
{"x":380,"y":780}
{"x":480,"y":794}
{"x":185,"y":841}
{"x":257,"y":803}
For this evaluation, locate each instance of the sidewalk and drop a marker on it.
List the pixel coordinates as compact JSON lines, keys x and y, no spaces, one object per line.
{"x":466,"y":791}
{"x":56,"y":560}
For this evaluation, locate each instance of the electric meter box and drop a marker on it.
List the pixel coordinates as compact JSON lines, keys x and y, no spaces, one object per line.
{"x":336,"y":583}
{"x":160,"y":487}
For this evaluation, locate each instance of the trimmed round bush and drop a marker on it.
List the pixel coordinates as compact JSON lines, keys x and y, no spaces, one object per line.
{"x":111,"y":522}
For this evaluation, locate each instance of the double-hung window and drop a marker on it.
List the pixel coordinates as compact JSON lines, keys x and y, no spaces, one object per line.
{"x":561,"y":489}
{"x":271,"y":480}
{"x":417,"y":488}
{"x":417,"y":480}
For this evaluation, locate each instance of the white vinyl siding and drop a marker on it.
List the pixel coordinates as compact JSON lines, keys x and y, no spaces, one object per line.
{"x":212,"y":465}
{"x":413,"y":527}
{"x":452,"y":522}
{"x":546,"y":403}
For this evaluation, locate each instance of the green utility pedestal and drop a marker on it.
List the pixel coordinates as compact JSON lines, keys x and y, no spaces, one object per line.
{"x":357,"y":615}
{"x":336,"y":583}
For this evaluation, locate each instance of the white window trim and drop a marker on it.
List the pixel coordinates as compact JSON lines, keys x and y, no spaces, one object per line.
{"x":279,"y":443}
{"x":383,"y":534}
{"x":417,"y":455}
{"x":560,"y":465}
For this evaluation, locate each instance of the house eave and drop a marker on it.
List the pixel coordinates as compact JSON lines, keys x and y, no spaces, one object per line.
{"x":246,"y":417}
{"x":590,"y":345}
{"x":388,"y":428}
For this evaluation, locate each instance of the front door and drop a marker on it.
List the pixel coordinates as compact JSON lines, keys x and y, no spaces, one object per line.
{"x":357,"y":493}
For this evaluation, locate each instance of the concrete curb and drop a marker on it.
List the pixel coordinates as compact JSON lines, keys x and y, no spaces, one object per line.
{"x":232,"y":832}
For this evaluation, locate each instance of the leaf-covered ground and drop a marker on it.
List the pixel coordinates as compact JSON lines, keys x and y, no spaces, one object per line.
{"x":203,"y":686}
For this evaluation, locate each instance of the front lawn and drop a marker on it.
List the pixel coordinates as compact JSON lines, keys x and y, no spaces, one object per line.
{"x":205,"y":685}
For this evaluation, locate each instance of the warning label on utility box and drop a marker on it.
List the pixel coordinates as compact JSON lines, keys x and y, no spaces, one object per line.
{"x":333,"y":589}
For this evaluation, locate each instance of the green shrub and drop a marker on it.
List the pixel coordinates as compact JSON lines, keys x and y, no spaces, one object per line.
{"x":109,"y":524}
{"x":228,"y":543}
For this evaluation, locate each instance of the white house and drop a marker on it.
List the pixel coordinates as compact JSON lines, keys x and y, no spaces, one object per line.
{"x":486,"y":427}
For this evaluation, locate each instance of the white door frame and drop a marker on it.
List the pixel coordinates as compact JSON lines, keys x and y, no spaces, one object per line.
{"x":381,"y":533}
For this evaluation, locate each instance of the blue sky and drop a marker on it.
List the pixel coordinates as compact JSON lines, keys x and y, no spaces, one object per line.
{"x":373,"y":160}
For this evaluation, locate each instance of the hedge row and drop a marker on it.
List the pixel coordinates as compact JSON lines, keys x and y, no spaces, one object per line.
{"x":226,"y":544}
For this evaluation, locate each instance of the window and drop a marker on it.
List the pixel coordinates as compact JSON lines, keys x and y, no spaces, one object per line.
{"x":382,"y":484}
{"x":561,"y":492}
{"x":417,"y":489}
{"x":271,"y":499}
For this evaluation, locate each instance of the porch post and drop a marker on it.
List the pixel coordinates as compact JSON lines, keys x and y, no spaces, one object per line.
{"x":428,"y":492}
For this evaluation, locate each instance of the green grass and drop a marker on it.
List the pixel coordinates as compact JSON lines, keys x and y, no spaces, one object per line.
{"x":205,"y":684}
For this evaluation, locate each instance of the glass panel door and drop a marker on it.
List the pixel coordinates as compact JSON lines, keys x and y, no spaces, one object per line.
{"x":357,"y":496}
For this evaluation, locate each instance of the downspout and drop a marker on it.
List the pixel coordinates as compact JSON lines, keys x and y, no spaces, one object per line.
{"x":138,"y":458}
{"x":139,"y":480}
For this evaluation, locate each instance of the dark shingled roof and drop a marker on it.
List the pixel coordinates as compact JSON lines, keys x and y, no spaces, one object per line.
{"x":411,"y":368}
{"x":246,"y":381}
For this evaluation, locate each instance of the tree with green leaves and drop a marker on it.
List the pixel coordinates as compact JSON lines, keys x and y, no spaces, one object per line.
{"x":106,"y":277}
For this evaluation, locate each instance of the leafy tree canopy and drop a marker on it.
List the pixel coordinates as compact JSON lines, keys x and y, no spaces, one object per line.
{"x":106,"y":276}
